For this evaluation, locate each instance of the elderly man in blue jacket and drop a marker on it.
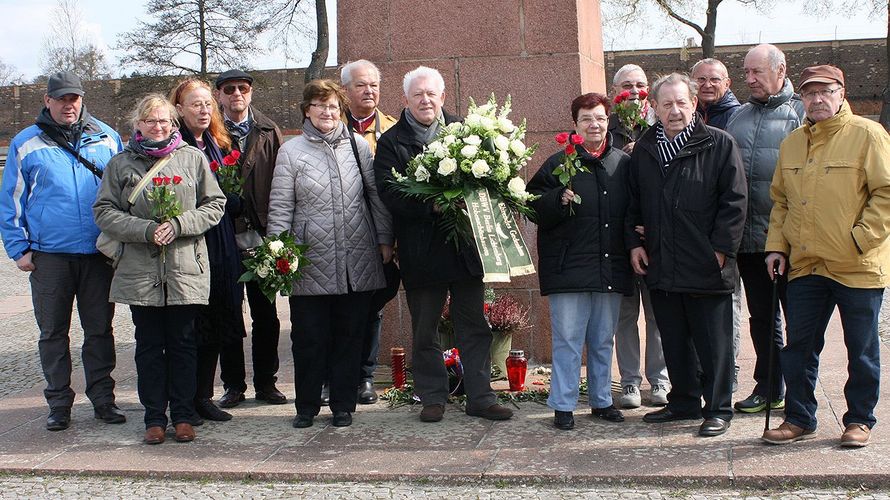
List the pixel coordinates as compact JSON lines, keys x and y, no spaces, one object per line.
{"x":50,"y":182}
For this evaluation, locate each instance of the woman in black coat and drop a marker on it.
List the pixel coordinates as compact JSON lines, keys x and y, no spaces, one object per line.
{"x":583,"y":267}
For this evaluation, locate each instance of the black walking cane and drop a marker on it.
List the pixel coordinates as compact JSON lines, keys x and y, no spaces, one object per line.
{"x":772,"y":347}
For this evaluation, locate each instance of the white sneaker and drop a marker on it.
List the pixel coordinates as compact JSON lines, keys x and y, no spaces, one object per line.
{"x":659,"y":395}
{"x":630,"y":398}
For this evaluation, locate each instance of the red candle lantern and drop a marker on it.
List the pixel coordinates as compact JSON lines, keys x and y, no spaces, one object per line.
{"x":398,"y":367}
{"x":517,"y":366}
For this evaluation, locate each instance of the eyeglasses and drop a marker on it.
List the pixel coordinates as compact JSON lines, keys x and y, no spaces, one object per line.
{"x":824,"y":93}
{"x":588,"y":120}
{"x":631,"y":85}
{"x":162,"y":123}
{"x":330,"y":108}
{"x":230,"y":89}
{"x":198,"y":106}
{"x":713,"y":81}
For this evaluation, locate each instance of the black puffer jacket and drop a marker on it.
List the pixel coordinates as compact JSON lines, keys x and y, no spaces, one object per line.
{"x":583,"y":252}
{"x":425,"y":257}
{"x":695,"y":209}
{"x":720,"y":113}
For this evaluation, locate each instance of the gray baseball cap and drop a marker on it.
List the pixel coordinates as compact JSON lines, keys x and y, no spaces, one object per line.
{"x":62,"y":83}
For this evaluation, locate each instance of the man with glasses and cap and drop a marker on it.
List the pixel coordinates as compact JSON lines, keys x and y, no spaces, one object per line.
{"x":828,"y":229}
{"x":46,"y":218}
{"x":257,"y":138}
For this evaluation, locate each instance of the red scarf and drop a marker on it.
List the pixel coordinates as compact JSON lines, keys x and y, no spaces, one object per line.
{"x":361,"y":125}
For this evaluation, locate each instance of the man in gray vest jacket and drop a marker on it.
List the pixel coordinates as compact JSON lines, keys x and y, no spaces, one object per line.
{"x":759,"y":127}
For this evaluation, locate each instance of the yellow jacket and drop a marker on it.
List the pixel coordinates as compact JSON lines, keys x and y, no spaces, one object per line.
{"x":372,"y":133}
{"x":831,"y":194}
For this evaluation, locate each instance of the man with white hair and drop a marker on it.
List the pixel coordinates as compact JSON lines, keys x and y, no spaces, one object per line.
{"x":759,"y":127}
{"x":630,"y":78}
{"x":716,"y":102}
{"x":431,"y":266}
{"x":361,"y":79}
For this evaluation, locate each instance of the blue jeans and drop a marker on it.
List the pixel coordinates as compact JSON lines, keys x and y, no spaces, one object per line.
{"x":811,"y":300}
{"x":580,"y":319}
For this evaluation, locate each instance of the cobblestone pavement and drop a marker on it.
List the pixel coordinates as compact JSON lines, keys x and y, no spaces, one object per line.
{"x":95,"y":488}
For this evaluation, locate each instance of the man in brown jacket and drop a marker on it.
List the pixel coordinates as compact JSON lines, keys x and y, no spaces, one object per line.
{"x":258,"y":139}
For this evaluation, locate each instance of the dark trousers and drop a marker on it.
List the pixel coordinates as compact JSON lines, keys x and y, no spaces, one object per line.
{"x":326,"y":336}
{"x":165,"y":362}
{"x":473,"y":337}
{"x":371,"y":346}
{"x":207,"y":357}
{"x":811,"y":301}
{"x":264,"y":334}
{"x":765,"y":326}
{"x":55,"y":282}
{"x":696,"y":335}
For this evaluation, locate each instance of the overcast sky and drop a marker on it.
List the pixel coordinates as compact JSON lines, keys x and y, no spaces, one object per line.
{"x":25,"y":27}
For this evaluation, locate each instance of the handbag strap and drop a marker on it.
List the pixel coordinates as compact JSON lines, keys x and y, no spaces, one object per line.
{"x":358,"y":162}
{"x":147,"y":178}
{"x":58,"y":139}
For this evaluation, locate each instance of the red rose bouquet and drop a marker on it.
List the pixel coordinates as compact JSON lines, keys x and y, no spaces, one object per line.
{"x":275,"y":265}
{"x":229,"y":173}
{"x":164,"y":204}
{"x":630,"y":111}
{"x":571,"y":165}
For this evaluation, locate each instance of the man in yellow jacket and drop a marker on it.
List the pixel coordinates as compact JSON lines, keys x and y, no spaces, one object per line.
{"x":831,"y":190}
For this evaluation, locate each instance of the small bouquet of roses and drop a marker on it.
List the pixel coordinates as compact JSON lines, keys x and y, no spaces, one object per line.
{"x":164,"y":204}
{"x":630,"y":111}
{"x":571,"y":165}
{"x":229,"y":173}
{"x":275,"y":265}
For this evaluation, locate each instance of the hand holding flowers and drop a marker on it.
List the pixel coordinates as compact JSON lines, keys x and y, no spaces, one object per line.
{"x":164,"y":207}
{"x":571,"y":165}
{"x":229,"y":173}
{"x":275,"y":265}
{"x":630,"y":111}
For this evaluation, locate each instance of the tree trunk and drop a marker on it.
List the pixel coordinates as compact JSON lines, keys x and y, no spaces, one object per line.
{"x":885,"y":107}
{"x":320,"y":55}
{"x":710,"y":31}
{"x":202,"y":38}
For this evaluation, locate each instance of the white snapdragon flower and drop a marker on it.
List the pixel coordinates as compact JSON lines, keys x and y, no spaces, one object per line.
{"x":422,"y":174}
{"x":397,"y":176}
{"x":275,"y":247}
{"x":474,"y":139}
{"x":469,"y":151}
{"x":501,"y":142}
{"x":447,"y":166}
{"x":517,"y":147}
{"x":505,"y":125}
{"x":480,"y":169}
{"x":516,"y":187}
{"x":504,"y":157}
{"x":485,"y":109}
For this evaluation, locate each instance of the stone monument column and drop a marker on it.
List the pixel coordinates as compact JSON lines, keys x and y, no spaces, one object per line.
{"x":543,"y":53}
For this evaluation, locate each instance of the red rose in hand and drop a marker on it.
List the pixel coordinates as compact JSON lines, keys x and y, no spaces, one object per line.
{"x":166,"y":181}
{"x":177,"y":179}
{"x":283,"y":265}
{"x":214,"y":166}
{"x":570,"y":149}
{"x":643,"y":94}
{"x":235,"y":154}
{"x":229,"y":160}
{"x":562,"y":138}
{"x":158,"y":181}
{"x":577,"y":139}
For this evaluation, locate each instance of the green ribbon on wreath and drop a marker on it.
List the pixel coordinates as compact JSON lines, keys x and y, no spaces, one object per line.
{"x":499,"y":241}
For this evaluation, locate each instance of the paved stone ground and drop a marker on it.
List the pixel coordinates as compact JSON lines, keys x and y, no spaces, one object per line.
{"x":97,"y":488}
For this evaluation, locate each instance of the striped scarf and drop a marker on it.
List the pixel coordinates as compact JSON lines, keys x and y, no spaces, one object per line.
{"x":668,"y":149}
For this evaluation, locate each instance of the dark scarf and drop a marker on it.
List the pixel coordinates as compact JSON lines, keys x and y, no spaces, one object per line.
{"x":221,"y":320}
{"x":154,"y":149}
{"x":240,"y":130}
{"x":67,"y":133}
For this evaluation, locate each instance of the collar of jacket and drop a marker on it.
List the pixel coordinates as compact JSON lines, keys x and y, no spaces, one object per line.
{"x":824,"y":129}
{"x":774,"y":101}
{"x":261,"y":121}
{"x":405,"y":134}
{"x":701,"y":138}
{"x":728,"y":101}
{"x":588,"y":158}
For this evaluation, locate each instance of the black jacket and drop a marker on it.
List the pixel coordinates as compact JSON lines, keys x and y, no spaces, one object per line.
{"x":257,"y":167}
{"x":583,"y":252}
{"x":719,"y":113}
{"x":696,"y":208}
{"x":425,"y":257}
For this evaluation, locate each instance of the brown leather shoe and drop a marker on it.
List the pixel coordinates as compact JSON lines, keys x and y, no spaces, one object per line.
{"x":432,"y":413}
{"x":154,"y":435}
{"x":493,"y":412}
{"x":787,"y":433}
{"x":185,"y":432}
{"x":855,"y":436}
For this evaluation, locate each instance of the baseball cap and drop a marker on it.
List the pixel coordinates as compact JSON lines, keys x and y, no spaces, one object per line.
{"x":62,"y":83}
{"x":824,"y":73}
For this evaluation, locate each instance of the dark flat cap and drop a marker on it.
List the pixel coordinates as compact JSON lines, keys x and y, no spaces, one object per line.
{"x":63,"y":83}
{"x":232,"y":74}
{"x":824,"y":73}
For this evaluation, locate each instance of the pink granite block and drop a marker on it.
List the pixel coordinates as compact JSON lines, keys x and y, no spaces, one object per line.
{"x":551,"y":26}
{"x":365,"y":30}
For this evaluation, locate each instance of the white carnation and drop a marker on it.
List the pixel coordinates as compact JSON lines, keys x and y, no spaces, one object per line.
{"x":505,"y":125}
{"x":454,"y":127}
{"x":473,"y":139}
{"x":447,"y":166}
{"x":517,"y":147}
{"x":501,"y":142}
{"x":275,"y":247}
{"x":422,"y":174}
{"x":295,"y":266}
{"x":437,"y":149}
{"x":469,"y":151}
{"x":480,"y":169}
{"x":263,"y":271}
{"x":516,"y":186}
